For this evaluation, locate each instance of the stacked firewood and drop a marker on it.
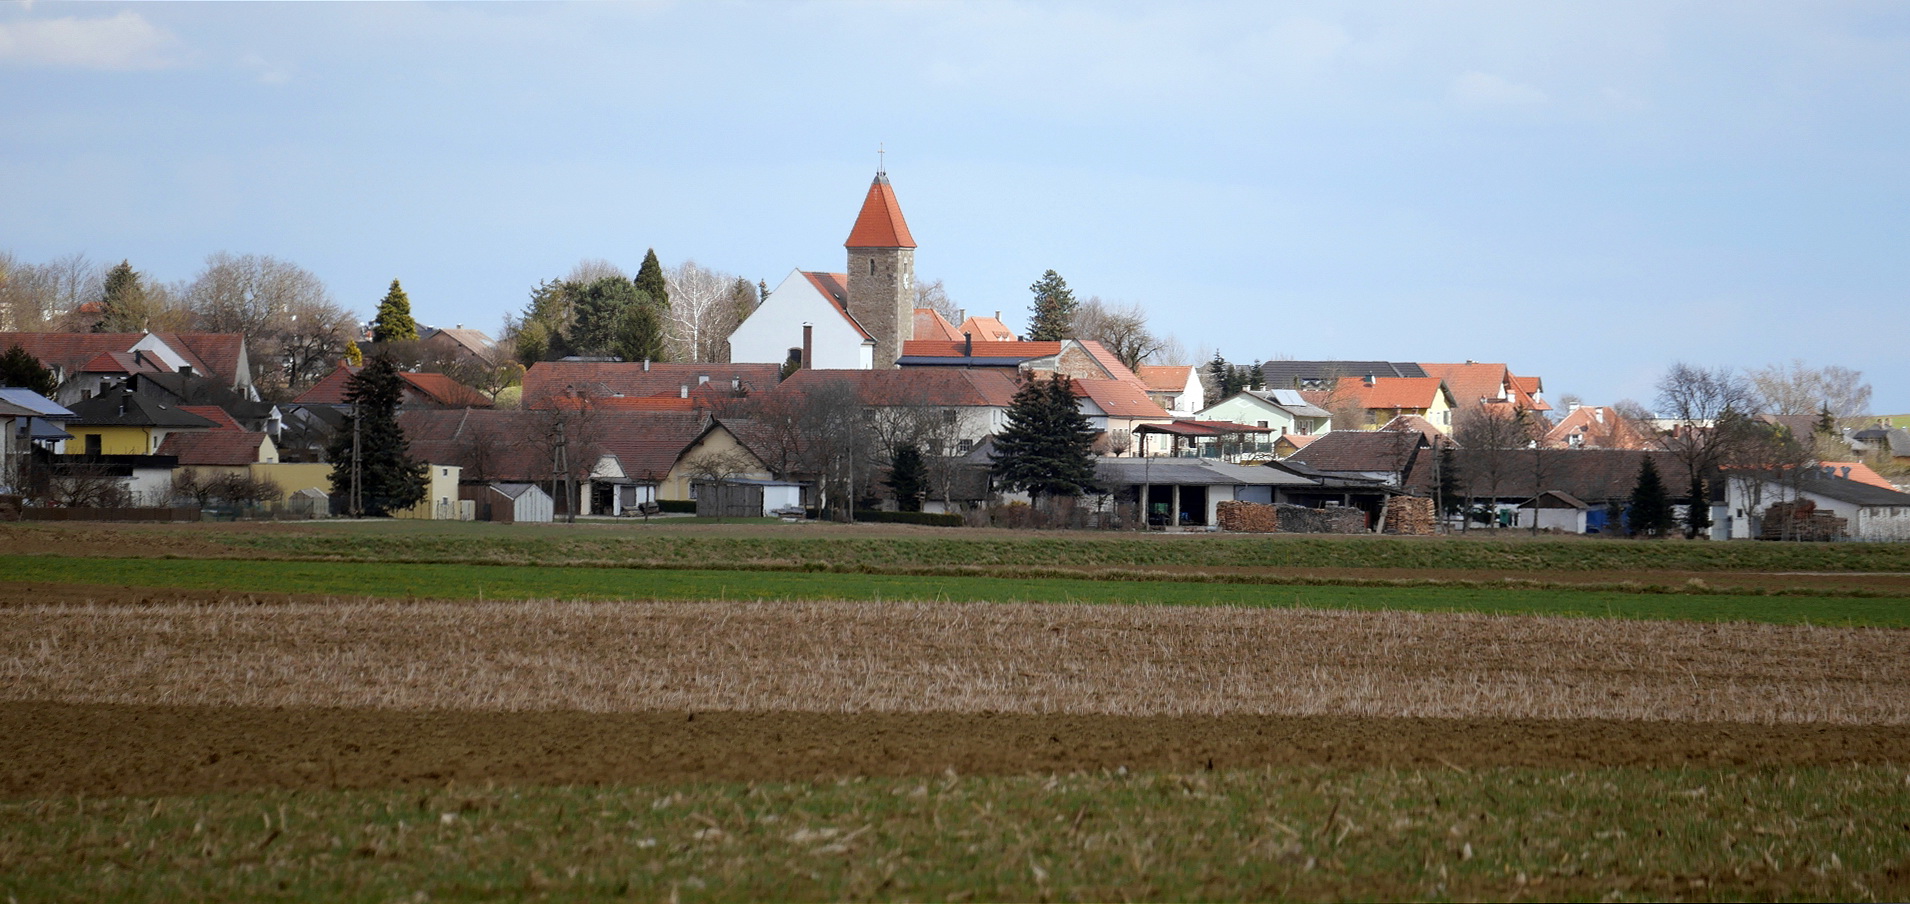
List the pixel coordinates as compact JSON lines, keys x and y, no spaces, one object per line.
{"x":1247,"y":517}
{"x":1801,"y":520}
{"x":1411,"y":515}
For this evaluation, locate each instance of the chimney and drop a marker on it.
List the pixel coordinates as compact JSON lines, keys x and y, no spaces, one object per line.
{"x":968,"y":345}
{"x":646,"y":365}
{"x":1598,"y":414}
{"x":736,"y":384}
{"x":683,"y":390}
{"x":808,"y":346}
{"x":1370,"y":379}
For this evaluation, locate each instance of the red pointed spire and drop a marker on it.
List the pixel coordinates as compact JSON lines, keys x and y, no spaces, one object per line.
{"x":880,"y":224}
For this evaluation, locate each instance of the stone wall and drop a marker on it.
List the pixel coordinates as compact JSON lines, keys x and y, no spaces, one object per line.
{"x":882,"y":298}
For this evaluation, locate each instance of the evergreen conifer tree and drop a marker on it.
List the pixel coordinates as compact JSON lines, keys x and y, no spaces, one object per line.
{"x":1047,"y":448}
{"x":1053,"y":309}
{"x":908,"y":478}
{"x":388,"y":478}
{"x":1698,"y":514}
{"x":394,"y":323}
{"x":651,"y":283}
{"x":1650,"y":514}
{"x":20,"y":370}
{"x":126,"y":307}
{"x":1452,"y":483}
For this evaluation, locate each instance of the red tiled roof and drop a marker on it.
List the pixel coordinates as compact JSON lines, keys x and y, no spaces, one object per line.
{"x":1111,"y":363}
{"x":1165,"y":377}
{"x":1391,"y":392}
{"x":446,"y":391}
{"x":930,"y":324}
{"x":215,"y":414}
{"x":880,"y":224}
{"x":936,"y":348}
{"x":218,"y":354}
{"x":1597,"y":427}
{"x":492,"y":444}
{"x":125,"y":363}
{"x":1856,"y":470}
{"x":927,"y":386}
{"x":69,"y":351}
{"x":329,"y":390}
{"x":986,"y":329}
{"x":601,"y":380}
{"x":835,"y":287}
{"x":1119,"y":398}
{"x":228,"y":448}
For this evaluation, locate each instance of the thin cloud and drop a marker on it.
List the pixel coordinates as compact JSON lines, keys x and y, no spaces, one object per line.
{"x":1482,"y":89}
{"x":123,"y":42}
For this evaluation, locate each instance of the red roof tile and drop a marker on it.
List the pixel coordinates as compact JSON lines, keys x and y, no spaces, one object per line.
{"x":835,"y":287}
{"x":929,"y":386}
{"x":1166,"y":377}
{"x":1119,"y":398}
{"x":218,"y":354}
{"x":492,"y":444}
{"x":600,"y":380}
{"x":224,"y":447}
{"x":125,"y":363}
{"x":989,"y":329}
{"x":447,"y":392}
{"x":214,"y":414}
{"x":880,"y":224}
{"x":930,"y":324}
{"x":1390,"y":392}
{"x":937,"y":348}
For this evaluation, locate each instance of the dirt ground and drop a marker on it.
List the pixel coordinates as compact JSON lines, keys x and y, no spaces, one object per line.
{"x":52,"y":748}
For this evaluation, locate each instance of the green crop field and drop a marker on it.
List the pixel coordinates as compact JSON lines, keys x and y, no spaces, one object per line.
{"x":1310,"y":833}
{"x":523,"y":582}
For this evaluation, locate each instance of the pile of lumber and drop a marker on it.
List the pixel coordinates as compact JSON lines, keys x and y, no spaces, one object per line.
{"x":1258,"y":518}
{"x":1411,"y":515}
{"x":1801,"y":520}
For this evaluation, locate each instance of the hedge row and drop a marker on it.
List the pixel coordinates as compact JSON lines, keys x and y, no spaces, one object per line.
{"x":933,"y":519}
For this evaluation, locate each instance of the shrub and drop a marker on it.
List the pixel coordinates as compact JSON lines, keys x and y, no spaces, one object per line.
{"x":932,"y":519}
{"x":680,"y":506}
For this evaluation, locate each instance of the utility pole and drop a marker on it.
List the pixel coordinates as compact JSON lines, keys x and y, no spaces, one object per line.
{"x":560,"y":475}
{"x":357,"y":480}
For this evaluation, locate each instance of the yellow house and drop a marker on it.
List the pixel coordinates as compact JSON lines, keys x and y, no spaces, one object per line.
{"x":1375,"y":401}
{"x":122,"y":422}
{"x":716,"y":453}
{"x":440,"y":501}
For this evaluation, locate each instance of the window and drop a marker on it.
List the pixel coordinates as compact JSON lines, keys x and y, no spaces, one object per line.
{"x":966,"y":446}
{"x":872,"y":266}
{"x":92,"y":444}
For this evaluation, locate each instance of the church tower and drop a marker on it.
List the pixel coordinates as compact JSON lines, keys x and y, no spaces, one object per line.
{"x":882,"y":272}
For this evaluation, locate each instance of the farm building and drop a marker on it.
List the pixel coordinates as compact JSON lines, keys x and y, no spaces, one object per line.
{"x":508,"y":503}
{"x":1867,"y":512}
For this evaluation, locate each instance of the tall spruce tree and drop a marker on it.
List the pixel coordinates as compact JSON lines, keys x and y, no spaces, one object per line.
{"x":388,"y":477}
{"x":1651,"y":514}
{"x":651,"y":283}
{"x":1047,"y":448}
{"x":20,"y":370}
{"x":1698,"y":513}
{"x":125,"y":307}
{"x":394,"y":323}
{"x":908,"y":477}
{"x":1053,"y":308}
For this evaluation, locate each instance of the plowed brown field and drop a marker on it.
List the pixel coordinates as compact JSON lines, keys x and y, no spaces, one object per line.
{"x":172,"y":692}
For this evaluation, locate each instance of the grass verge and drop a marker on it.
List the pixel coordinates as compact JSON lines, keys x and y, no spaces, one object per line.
{"x":509,"y":582}
{"x":1603,"y":834}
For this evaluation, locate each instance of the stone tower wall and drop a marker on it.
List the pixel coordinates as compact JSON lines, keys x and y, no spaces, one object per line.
{"x":882,"y":298}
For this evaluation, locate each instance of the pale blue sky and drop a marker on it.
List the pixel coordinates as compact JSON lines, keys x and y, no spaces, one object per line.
{"x":1584,"y":191}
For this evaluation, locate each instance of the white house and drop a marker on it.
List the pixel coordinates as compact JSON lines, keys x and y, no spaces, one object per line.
{"x":819,"y":300}
{"x":1283,"y":411}
{"x":1871,"y":512}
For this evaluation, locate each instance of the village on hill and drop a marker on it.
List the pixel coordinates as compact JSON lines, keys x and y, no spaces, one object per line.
{"x":865,"y":394}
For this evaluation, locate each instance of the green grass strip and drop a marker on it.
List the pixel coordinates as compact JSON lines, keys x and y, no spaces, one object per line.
{"x":513,"y":582}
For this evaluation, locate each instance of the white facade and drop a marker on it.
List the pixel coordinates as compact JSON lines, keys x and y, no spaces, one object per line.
{"x":1747,"y":500}
{"x":775,"y":327}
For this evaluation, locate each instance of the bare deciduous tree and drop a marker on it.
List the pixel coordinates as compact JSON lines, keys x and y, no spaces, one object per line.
{"x":703,"y":312}
{"x":1121,"y":328}
{"x":1797,"y":388}
{"x":295,"y":332}
{"x":929,"y":293}
{"x":1709,"y":411}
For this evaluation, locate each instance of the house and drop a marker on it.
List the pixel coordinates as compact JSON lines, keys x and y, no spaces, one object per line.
{"x":1281,"y":411}
{"x":1402,"y":459}
{"x":457,"y":343}
{"x":1175,"y":387}
{"x":124,"y":422}
{"x":227,"y":447}
{"x":1188,"y":491}
{"x":983,"y":329}
{"x":1370,"y":402}
{"x":1189,"y":438}
{"x":1503,"y":480}
{"x":963,"y":406}
{"x":606,"y":382}
{"x":1596,"y":427}
{"x":930,"y":324}
{"x":1284,"y":446}
{"x":28,"y":420}
{"x":77,"y":363}
{"x":1324,"y":375}
{"x":1489,"y":388}
{"x":857,"y":319}
{"x":1755,"y":503}
{"x":421,"y":390}
{"x":1116,"y":409}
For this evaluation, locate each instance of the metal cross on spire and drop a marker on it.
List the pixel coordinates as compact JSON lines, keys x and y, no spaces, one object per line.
{"x":880,"y":164}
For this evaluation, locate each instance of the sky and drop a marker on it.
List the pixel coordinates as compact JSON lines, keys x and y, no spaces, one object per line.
{"x":1587,"y":192}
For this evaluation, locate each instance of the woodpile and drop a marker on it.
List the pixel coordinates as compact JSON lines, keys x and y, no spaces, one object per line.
{"x":1411,"y":516}
{"x":1258,"y":518}
{"x":1801,"y":520}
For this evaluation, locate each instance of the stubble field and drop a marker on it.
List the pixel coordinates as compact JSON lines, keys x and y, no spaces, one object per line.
{"x":239,"y":742}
